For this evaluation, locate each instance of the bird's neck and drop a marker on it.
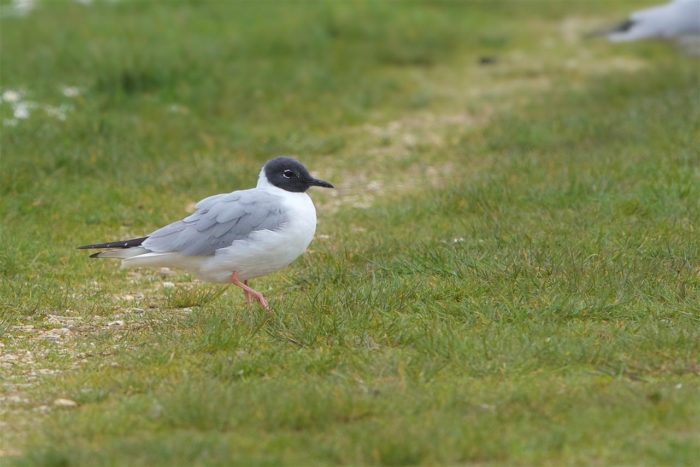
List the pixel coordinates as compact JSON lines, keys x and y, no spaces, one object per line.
{"x":263,"y":182}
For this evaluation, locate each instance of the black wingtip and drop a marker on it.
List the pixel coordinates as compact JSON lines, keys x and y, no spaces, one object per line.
{"x":619,"y":28}
{"x":120,"y":244}
{"x":624,"y":26}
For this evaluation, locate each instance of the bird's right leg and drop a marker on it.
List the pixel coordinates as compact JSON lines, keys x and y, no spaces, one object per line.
{"x":253,"y":293}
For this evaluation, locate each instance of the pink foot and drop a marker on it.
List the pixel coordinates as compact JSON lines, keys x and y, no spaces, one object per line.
{"x":248,"y":292}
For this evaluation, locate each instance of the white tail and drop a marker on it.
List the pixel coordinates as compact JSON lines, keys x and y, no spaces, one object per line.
{"x":121,"y":253}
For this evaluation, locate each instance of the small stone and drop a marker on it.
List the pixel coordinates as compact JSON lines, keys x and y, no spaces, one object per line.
{"x":374,"y":186}
{"x":65,"y":403}
{"x":166,"y":272}
{"x":15,"y":399}
{"x":71,"y":91}
{"x":116,"y":323}
{"x":11,"y":96}
{"x":55,"y":335}
{"x":21,"y":110}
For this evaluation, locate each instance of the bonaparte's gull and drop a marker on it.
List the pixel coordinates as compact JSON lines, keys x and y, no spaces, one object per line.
{"x":233,"y":237}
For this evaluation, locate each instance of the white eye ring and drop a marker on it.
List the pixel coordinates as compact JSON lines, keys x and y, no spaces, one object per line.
{"x":287,"y":174}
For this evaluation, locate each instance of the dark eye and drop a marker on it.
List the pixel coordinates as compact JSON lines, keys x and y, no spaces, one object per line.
{"x":288,"y":174}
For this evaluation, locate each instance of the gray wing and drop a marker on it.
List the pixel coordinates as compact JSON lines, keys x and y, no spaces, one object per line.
{"x":218,"y":221}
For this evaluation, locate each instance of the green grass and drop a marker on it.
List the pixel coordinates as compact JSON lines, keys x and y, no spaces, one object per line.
{"x":519,"y":285}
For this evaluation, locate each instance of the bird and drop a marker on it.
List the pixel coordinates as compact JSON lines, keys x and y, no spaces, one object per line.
{"x":233,"y":237}
{"x":674,"y":20}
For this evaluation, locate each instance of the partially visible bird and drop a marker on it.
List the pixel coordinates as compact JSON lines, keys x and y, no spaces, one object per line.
{"x":233,"y":237}
{"x":674,"y":20}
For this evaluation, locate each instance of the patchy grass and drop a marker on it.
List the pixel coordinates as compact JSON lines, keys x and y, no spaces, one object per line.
{"x":508,"y":272}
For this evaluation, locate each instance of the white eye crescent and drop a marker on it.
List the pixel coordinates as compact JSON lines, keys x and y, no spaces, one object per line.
{"x":287,"y":174}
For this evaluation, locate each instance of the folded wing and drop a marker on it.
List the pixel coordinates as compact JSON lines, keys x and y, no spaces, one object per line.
{"x":217,"y":222}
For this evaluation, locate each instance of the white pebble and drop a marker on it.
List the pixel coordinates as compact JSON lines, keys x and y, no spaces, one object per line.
{"x":65,"y":403}
{"x":21,"y":111}
{"x":10,"y":96}
{"x":71,"y":91}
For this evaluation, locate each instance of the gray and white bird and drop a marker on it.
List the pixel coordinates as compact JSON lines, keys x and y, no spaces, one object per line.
{"x":233,"y":237}
{"x":674,"y":20}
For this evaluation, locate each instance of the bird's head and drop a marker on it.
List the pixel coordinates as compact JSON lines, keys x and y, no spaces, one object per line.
{"x":290,"y":175}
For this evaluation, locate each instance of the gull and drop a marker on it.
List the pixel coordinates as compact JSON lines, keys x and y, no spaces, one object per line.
{"x":233,"y":237}
{"x":673,"y":20}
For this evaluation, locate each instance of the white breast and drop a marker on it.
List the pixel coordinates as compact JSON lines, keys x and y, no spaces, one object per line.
{"x":266,"y":251}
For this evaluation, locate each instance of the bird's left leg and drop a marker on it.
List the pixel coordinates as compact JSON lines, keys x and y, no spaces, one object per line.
{"x":247,"y":295}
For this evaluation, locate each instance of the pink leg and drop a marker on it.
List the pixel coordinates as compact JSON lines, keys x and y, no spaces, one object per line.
{"x":247,"y":290}
{"x":247,"y":295}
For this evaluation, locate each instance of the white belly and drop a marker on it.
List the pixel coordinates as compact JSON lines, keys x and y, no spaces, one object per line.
{"x":265,"y":251}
